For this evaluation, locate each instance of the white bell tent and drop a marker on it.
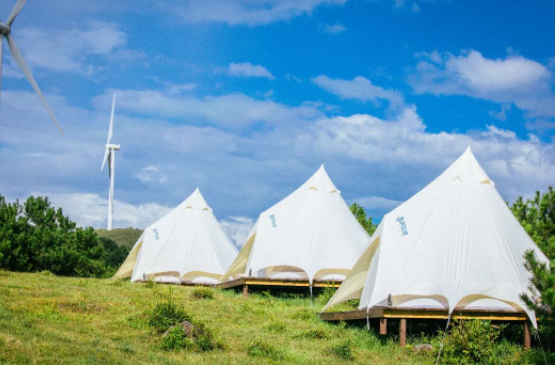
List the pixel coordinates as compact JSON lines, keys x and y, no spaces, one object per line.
{"x":310,"y":235}
{"x":453,"y":244}
{"x":185,"y":246}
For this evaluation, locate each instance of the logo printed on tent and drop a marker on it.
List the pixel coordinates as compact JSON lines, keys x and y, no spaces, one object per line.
{"x":273,"y":220}
{"x":155,"y":231}
{"x":402,"y":225}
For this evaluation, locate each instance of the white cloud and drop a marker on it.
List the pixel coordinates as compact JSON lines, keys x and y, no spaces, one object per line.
{"x":179,"y":88}
{"x":332,"y":28}
{"x":233,"y":111}
{"x":246,"y":69}
{"x":70,"y":50}
{"x":91,"y":210}
{"x":290,"y":77}
{"x":377,"y":202}
{"x":241,"y":172}
{"x":515,"y":80}
{"x":237,"y":228}
{"x":244,"y":12}
{"x":151,"y":174}
{"x":403,"y":149}
{"x":360,"y":88}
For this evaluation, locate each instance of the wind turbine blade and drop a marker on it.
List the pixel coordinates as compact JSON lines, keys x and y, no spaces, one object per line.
{"x":111,"y":121}
{"x":15,"y":11}
{"x":18,"y":57}
{"x":106,"y":156}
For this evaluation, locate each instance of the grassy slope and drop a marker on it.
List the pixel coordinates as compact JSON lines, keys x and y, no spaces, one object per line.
{"x":46,"y":319}
{"x":123,"y":236}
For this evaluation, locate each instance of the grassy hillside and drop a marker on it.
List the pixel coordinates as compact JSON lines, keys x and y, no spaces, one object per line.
{"x":46,"y":319}
{"x":122,"y":236}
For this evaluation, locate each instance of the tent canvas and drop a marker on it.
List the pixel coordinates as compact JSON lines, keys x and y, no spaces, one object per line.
{"x":187,"y":245}
{"x":309,"y":235}
{"x":453,"y":244}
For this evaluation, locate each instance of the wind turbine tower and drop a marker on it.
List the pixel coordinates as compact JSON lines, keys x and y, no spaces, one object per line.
{"x":110,"y":156}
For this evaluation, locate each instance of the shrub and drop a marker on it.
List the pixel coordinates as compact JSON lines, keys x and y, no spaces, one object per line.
{"x":470,"y":342}
{"x":342,"y":350}
{"x":34,"y":236}
{"x":264,"y":349}
{"x":167,"y":313}
{"x":202,"y":293}
{"x":176,"y":338}
{"x":537,"y":218}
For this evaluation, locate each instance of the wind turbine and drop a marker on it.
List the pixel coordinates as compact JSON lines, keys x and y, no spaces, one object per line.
{"x":6,"y":32}
{"x":109,"y":155}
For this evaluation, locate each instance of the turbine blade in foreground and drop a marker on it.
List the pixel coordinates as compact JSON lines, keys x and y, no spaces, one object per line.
{"x":15,"y":11}
{"x":106,"y":156}
{"x":111,"y":121}
{"x":18,"y":57}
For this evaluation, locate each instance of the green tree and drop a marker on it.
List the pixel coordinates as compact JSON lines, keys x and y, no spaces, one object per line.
{"x":361,"y":216}
{"x":35,"y":236}
{"x":537,"y":218}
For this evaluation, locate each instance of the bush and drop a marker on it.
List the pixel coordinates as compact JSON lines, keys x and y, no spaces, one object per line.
{"x":342,"y":350}
{"x":166,"y":314}
{"x":202,"y":293}
{"x":477,"y":342}
{"x":262,"y":348}
{"x":35,"y":236}
{"x":176,"y":338}
{"x":537,"y":218}
{"x":470,"y":342}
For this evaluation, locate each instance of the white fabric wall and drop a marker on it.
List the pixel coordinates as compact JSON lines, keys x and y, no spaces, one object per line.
{"x":462,"y":246}
{"x":312,"y":229}
{"x":186,"y":245}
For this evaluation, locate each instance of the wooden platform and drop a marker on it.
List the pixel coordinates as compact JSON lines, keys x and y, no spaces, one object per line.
{"x":245,"y":283}
{"x":403,"y":314}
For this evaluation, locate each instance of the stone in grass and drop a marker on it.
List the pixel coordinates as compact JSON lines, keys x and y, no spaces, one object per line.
{"x":189,"y":328}
{"x":423,"y":347}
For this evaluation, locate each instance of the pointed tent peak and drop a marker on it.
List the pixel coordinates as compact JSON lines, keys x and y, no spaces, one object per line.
{"x":196,"y":201}
{"x":321,"y":180}
{"x":467,"y":167}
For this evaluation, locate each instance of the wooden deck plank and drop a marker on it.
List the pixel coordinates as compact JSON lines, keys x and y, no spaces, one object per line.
{"x":425,"y":313}
{"x":276,"y":283}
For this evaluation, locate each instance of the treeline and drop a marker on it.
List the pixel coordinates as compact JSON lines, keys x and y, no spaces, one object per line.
{"x":34,"y":236}
{"x":537,"y":217}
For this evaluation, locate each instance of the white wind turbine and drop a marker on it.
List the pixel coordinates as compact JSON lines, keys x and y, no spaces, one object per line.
{"x":6,"y":32}
{"x":109,"y":154}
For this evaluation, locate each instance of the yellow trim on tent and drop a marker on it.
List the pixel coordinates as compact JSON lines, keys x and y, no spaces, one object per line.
{"x":127,"y":267}
{"x":240,"y":263}
{"x":352,"y":287}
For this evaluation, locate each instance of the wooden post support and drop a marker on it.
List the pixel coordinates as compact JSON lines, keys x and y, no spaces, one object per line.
{"x":526,"y":336}
{"x":382,"y":326}
{"x":245,"y":290}
{"x":403,"y":332}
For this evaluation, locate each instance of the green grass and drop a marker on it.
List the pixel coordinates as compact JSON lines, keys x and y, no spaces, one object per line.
{"x":122,"y":236}
{"x":45,"y":319}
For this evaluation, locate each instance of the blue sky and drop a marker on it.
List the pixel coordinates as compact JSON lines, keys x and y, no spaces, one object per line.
{"x":246,"y":99}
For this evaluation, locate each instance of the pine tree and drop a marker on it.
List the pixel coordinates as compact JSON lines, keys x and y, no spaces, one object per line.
{"x":537,"y":218}
{"x":361,"y":216}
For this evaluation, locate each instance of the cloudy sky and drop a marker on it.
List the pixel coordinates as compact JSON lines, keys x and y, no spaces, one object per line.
{"x":246,"y":99}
